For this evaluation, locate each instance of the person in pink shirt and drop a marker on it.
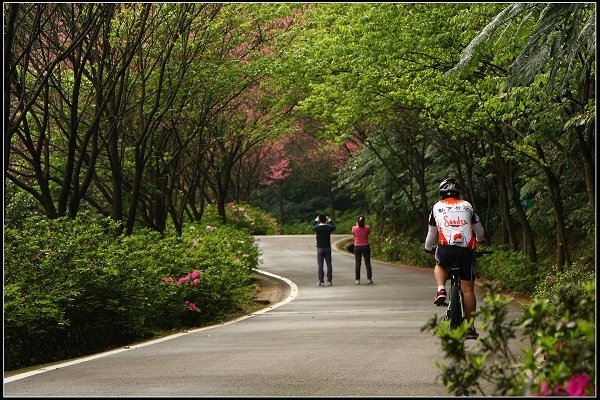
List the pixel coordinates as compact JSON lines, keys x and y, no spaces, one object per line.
{"x":362,"y":248}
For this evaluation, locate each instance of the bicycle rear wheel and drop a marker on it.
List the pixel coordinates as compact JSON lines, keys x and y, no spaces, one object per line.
{"x":455,"y":308}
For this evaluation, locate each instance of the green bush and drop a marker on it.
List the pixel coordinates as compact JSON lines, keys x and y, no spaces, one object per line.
{"x":386,"y":248}
{"x":560,"y":357}
{"x":51,"y":268}
{"x":73,"y":287}
{"x":255,"y":221}
{"x":228,"y":259}
{"x":343,"y":224}
{"x":572,"y":274}
{"x":19,"y":205}
{"x":243,"y":216}
{"x":511,"y":270}
{"x":298,"y":228}
{"x":406,"y":250}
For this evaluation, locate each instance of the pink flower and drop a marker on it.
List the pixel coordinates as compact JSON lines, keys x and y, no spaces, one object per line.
{"x":195,"y":274}
{"x":543,"y":390}
{"x":191,"y":305}
{"x":558,"y":391}
{"x":577,"y":384}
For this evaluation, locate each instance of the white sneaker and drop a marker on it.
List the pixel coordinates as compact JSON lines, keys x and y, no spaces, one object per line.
{"x":357,"y":282}
{"x":370,"y":281}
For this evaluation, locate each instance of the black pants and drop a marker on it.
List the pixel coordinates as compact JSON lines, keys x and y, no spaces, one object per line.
{"x":359,"y":253}
{"x":465,"y":257}
{"x":324,"y":255}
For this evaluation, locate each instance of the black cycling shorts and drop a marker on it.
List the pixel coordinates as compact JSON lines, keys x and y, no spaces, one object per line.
{"x":466,"y":258}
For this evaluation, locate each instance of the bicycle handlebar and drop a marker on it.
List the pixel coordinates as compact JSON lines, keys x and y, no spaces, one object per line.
{"x":478,"y":253}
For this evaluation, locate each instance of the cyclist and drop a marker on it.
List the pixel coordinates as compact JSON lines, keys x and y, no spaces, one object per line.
{"x":457,"y":229}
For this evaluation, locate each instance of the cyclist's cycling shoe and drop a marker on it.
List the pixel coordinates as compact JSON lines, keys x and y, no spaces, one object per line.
{"x":440,"y":297}
{"x":471,"y":334}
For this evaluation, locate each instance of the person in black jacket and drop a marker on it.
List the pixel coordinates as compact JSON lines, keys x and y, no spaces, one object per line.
{"x":323,"y":226}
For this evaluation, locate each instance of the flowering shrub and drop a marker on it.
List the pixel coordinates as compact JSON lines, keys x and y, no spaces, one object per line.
{"x":560,"y":358}
{"x":243,"y":216}
{"x":191,"y":305}
{"x":577,"y":385}
{"x":191,"y":279}
{"x":86,"y":267}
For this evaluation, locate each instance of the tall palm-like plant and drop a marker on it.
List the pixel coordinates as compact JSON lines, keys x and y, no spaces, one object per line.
{"x":561,"y":35}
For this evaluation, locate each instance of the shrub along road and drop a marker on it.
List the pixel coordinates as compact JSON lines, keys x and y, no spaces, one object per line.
{"x":341,"y":340}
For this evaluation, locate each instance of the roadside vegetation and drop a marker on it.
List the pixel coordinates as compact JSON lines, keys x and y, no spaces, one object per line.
{"x":76,"y":287}
{"x":143,"y":142}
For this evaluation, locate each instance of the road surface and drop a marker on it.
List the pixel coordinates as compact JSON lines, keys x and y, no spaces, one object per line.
{"x":344,"y":340}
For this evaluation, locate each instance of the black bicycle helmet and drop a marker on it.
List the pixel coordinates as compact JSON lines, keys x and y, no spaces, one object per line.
{"x":449,"y":188}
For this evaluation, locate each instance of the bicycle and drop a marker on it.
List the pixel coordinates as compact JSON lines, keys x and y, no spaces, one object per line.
{"x":455,"y":311}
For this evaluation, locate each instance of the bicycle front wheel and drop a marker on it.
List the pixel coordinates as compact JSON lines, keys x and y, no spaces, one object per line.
{"x":455,"y":308}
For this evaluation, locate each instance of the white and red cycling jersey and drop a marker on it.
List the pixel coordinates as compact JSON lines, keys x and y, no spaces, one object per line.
{"x":453,"y":222}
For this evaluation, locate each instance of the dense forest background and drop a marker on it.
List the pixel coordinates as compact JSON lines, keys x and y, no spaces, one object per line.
{"x":148,"y":112}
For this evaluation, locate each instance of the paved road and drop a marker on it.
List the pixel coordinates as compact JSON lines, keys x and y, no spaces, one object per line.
{"x":344,"y":340}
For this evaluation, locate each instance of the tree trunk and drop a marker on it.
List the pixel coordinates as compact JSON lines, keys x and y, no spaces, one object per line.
{"x":9,"y":33}
{"x":528,"y":241}
{"x":586,"y":137}
{"x":562,"y":252}
{"x":509,"y":229}
{"x":221,"y":209}
{"x":587,"y":154}
{"x":135,"y":192}
{"x":281,"y":214}
{"x":116,"y":175}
